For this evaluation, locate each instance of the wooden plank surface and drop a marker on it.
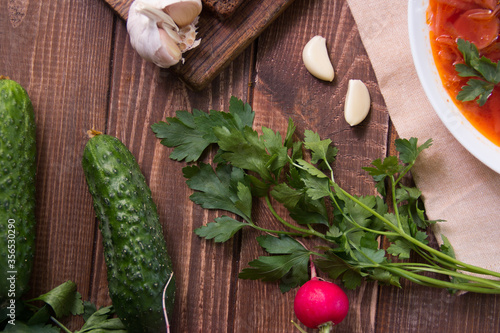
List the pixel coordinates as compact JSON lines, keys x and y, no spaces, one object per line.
{"x":75,"y":61}
{"x":221,"y":40}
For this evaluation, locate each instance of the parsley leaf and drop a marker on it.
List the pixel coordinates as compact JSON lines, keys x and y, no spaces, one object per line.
{"x":487,"y":71}
{"x":225,"y":188}
{"x":192,"y":133}
{"x":409,"y":149}
{"x":182,"y":132}
{"x":245,"y":150}
{"x":102,"y":321}
{"x":63,"y":299}
{"x":289,"y":262}
{"x":221,"y":230}
{"x":321,"y":150}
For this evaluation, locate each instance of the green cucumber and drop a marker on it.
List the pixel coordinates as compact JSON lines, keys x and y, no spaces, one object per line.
{"x":17,"y":190}
{"x":138,"y":265}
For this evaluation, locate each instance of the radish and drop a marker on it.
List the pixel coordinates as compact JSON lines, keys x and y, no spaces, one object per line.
{"x":320,"y":304}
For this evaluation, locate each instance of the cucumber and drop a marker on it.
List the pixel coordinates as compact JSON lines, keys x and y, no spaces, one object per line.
{"x":137,"y":262}
{"x":17,"y":190}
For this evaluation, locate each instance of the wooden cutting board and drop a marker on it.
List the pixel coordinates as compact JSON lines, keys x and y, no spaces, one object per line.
{"x":221,"y":40}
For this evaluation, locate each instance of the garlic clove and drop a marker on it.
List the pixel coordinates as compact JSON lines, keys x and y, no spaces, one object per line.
{"x":357,"y":102}
{"x":155,"y":34}
{"x":316,"y":59}
{"x":169,"y":50}
{"x":183,"y":12}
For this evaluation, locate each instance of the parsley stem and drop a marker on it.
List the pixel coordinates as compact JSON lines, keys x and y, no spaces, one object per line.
{"x":417,"y":267}
{"x":429,"y":281}
{"x":405,"y":171}
{"x":394,"y":202}
{"x":276,"y":232}
{"x":438,"y":254}
{"x":58,"y":323}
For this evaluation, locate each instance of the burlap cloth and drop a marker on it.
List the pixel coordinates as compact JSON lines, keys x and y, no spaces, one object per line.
{"x":456,"y":187}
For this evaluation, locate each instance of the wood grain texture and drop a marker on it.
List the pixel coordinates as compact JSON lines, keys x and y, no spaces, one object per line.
{"x":66,"y":74}
{"x":90,"y":77}
{"x":221,"y":41}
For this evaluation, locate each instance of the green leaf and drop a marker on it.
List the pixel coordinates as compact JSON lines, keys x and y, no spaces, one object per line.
{"x":222,"y":188}
{"x":468,"y":50}
{"x":476,"y":88}
{"x":244,"y":204}
{"x":486,"y":71}
{"x":369,"y":256}
{"x":298,"y":272}
{"x":273,"y":268}
{"x":421,"y":236}
{"x":409,"y":149}
{"x":286,"y":195}
{"x":357,"y":212}
{"x":352,"y":279}
{"x":101,"y":321}
{"x":242,"y":112}
{"x":181,"y":132}
{"x":41,"y":316}
{"x":302,"y":208}
{"x":382,"y":168}
{"x":333,"y":266}
{"x":314,"y":171}
{"x":63,"y":299}
{"x":400,"y":248}
{"x":244,"y":150}
{"x":466,"y":71}
{"x":280,"y":245}
{"x":321,"y":150}
{"x":385,"y":277}
{"x":289,"y":134}
{"x":221,"y":230}
{"x":317,"y":188}
{"x":275,"y":148}
{"x":191,"y":133}
{"x":88,"y":310}
{"x":446,"y":247}
{"x":296,"y":277}
{"x":407,"y":193}
{"x":333,"y":232}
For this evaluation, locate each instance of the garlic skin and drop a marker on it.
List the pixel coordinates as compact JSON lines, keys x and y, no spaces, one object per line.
{"x":357,"y":102}
{"x":162,"y":30}
{"x":316,"y":59}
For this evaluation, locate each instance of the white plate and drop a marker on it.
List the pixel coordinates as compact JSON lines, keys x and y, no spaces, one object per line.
{"x":476,"y":143}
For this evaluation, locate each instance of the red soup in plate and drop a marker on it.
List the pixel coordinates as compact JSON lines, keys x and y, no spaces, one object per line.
{"x":476,"y":21}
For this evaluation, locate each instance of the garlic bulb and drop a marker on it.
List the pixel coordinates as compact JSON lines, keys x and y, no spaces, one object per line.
{"x":162,"y":30}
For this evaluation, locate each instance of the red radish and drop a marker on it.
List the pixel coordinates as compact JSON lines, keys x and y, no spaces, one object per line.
{"x":320,"y":304}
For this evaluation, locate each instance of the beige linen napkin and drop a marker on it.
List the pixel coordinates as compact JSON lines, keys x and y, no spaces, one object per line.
{"x":456,"y":187}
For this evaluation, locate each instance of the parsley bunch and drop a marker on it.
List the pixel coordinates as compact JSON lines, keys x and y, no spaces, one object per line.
{"x":486,"y":71}
{"x":298,"y":174}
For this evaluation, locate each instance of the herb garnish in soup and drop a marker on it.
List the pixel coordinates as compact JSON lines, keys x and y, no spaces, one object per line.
{"x":466,"y":50}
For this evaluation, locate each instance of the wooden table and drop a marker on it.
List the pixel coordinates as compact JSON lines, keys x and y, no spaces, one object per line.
{"x":75,"y":60}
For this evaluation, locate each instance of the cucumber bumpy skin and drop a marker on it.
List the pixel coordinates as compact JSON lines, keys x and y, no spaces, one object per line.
{"x":17,"y":190}
{"x":138,"y":265}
